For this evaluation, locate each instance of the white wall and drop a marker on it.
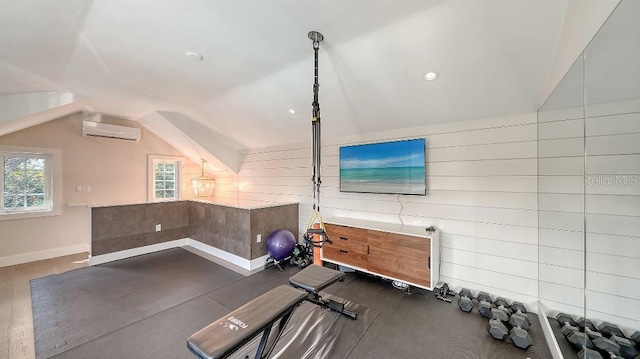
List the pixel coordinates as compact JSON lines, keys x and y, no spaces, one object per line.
{"x":481,"y":193}
{"x":116,"y":171}
{"x":611,"y":200}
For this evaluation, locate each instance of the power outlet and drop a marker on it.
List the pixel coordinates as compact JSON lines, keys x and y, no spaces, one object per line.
{"x":158,"y":227}
{"x":259,"y":238}
{"x":83,"y":189}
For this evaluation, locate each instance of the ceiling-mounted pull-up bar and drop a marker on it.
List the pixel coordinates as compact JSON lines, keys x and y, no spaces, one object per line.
{"x":316,"y":234}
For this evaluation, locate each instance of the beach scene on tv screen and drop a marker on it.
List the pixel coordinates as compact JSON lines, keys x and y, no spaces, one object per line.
{"x":388,"y":167}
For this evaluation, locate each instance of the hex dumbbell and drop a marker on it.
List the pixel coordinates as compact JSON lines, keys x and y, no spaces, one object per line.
{"x":627,"y":347}
{"x":607,"y":346}
{"x":518,"y":333}
{"x":568,"y":324}
{"x":636,"y":338}
{"x":579,"y":340}
{"x":586,"y":323}
{"x":497,"y":329}
{"x":520,"y":310}
{"x":586,"y":353}
{"x":465,"y":301}
{"x":608,"y":329}
{"x":501,"y":311}
{"x":484,"y":304}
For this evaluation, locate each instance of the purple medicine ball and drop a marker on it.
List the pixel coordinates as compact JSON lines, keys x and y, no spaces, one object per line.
{"x":280,"y":244}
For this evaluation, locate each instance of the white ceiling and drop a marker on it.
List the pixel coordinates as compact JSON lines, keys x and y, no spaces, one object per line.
{"x":494,"y":58}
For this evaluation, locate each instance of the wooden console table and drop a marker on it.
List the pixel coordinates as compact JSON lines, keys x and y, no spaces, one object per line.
{"x":405,"y":253}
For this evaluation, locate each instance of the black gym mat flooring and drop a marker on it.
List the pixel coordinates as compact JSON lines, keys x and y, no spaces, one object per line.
{"x":147,"y":306}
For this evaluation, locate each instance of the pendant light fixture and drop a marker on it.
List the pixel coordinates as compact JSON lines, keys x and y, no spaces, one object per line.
{"x":202,"y":186}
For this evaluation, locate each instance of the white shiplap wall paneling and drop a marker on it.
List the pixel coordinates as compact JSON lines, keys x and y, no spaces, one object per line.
{"x":561,"y":202}
{"x":613,"y":165}
{"x":561,"y":166}
{"x":522,"y":251}
{"x":560,"y":257}
{"x":613,"y":144}
{"x":611,"y":304}
{"x":611,"y":203}
{"x":566,"y":221}
{"x":502,"y":167}
{"x":491,"y":262}
{"x":561,"y":206}
{"x":613,"y":184}
{"x":611,"y":264}
{"x":561,"y":184}
{"x":479,"y":279}
{"x":566,"y":147}
{"x":562,"y":114}
{"x":613,"y":124}
{"x":622,"y":246}
{"x":561,"y":129}
{"x":494,"y":151}
{"x":609,"y":283}
{"x":482,"y":187}
{"x":613,"y":224}
{"x":555,"y":238}
{"x":561,"y":293}
{"x":569,"y":277}
{"x":612,"y":108}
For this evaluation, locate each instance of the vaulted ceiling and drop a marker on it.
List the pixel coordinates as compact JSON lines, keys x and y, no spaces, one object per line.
{"x":127,"y":58}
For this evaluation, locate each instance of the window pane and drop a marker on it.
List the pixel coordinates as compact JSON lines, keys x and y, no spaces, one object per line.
{"x":9,"y":201}
{"x":159,"y":194}
{"x":170,"y":185}
{"x":13,"y":163}
{"x":159,"y":176}
{"x":35,"y":182}
{"x":159,"y":167}
{"x":170,"y":176}
{"x":159,"y":185}
{"x":169,"y":194}
{"x":35,"y":200}
{"x":35,"y":164}
{"x":12,"y":186}
{"x":24,"y":182}
{"x":170,"y":167}
{"x":14,"y":181}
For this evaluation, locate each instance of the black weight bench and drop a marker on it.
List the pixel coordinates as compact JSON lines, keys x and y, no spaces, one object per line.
{"x":223,"y":337}
{"x":315,"y":278}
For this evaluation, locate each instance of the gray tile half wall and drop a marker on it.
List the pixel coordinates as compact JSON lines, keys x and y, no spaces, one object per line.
{"x":266,"y":220}
{"x":117,"y":228}
{"x":225,"y":228}
{"x":230,"y":229}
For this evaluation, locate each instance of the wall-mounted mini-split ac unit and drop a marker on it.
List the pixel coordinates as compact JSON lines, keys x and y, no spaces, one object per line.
{"x":99,"y":129}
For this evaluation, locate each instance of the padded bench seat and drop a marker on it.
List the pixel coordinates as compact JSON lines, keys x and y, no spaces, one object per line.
{"x":229,"y":333}
{"x":315,"y":278}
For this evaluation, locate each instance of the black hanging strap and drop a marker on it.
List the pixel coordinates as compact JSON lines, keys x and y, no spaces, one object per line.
{"x":316,"y":218}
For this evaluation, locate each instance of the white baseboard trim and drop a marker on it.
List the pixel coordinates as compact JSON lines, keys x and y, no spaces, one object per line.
{"x":241,"y":265}
{"x":556,"y":353}
{"x":41,"y":255}
{"x":246,"y":264}
{"x":109,"y":257}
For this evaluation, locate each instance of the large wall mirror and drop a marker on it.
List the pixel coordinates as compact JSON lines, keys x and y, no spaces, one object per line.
{"x":589,"y":182}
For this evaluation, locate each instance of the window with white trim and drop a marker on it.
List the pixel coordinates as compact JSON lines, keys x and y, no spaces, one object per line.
{"x":165,"y":178}
{"x":26,"y":183}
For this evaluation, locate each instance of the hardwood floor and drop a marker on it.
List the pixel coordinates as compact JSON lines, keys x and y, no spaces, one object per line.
{"x":16,"y":318}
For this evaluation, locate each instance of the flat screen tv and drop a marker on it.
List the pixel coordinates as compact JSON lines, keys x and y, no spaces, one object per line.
{"x":396,"y":167}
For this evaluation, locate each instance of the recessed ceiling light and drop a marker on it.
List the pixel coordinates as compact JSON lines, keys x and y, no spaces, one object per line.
{"x":292,"y":111}
{"x":431,"y":75}
{"x":152,"y":96}
{"x":194,"y":56}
